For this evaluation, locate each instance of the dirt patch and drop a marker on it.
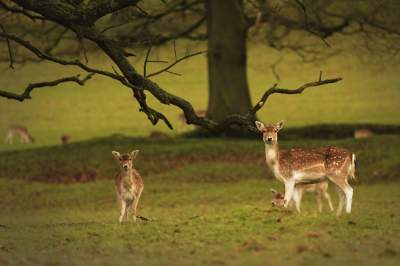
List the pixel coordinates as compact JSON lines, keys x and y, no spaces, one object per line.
{"x":149,"y":166}
{"x":57,"y":177}
{"x":313,"y":234}
{"x":302,"y":248}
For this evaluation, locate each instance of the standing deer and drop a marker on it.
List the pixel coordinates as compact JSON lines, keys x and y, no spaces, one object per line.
{"x":320,"y":189}
{"x":65,"y":138}
{"x":128,"y":183}
{"x":305,"y":166}
{"x":23,"y":133}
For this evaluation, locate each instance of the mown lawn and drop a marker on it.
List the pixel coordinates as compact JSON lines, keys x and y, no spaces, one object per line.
{"x":208,"y":202}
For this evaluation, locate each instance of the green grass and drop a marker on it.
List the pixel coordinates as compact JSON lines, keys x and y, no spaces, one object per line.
{"x":208,"y":201}
{"x":102,"y":107}
{"x":198,"y":223}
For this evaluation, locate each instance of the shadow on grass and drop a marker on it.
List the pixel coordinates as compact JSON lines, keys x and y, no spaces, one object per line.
{"x":319,"y":131}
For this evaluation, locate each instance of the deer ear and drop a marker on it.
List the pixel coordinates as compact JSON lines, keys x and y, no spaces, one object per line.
{"x":116,"y":154}
{"x":279,"y":125}
{"x":260,"y":126}
{"x":273,"y":191}
{"x":134,"y":154}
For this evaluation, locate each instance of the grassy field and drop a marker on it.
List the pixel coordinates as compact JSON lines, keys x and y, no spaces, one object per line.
{"x":192,"y":224}
{"x":367,"y":94}
{"x":208,"y":200}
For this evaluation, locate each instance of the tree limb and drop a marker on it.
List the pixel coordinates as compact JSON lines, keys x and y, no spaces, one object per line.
{"x":299,"y":90}
{"x":60,"y":61}
{"x":26,"y":94}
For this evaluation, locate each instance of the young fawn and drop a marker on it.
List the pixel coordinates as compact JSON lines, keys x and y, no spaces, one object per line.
{"x":129,"y":184}
{"x":320,"y":189}
{"x":305,"y":166}
{"x":21,"y":131}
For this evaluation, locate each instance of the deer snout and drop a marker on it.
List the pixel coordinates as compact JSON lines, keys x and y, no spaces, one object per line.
{"x":268,"y":139}
{"x":125,"y":166}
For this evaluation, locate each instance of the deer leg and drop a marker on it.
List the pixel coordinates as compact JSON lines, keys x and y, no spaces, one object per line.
{"x":9,"y":139}
{"x":297,"y":198}
{"x":135,"y":204}
{"x":347,"y":193}
{"x":341,"y":200}
{"x":328,"y":198}
{"x":348,"y":190}
{"x":289,"y":187}
{"x":128,"y":207}
{"x":319,"y":202}
{"x":123,"y":210}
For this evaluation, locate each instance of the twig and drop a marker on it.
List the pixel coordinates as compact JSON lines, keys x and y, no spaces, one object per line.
{"x":303,"y":7}
{"x":175,"y":50}
{"x":145,"y":61}
{"x":141,"y":10}
{"x":273,"y":69}
{"x":10,"y":54}
{"x":143,"y":218}
{"x":174,"y":63}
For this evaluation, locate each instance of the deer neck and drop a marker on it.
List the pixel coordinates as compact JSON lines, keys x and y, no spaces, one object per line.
{"x":272,"y":154}
{"x":127,"y":174}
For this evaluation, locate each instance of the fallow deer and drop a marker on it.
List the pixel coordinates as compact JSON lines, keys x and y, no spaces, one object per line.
{"x":363,"y":133}
{"x":320,"y":189}
{"x":21,"y":131}
{"x":305,"y":166}
{"x":128,"y":183}
{"x":65,"y":139}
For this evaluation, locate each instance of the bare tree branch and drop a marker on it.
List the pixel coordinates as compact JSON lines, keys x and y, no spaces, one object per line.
{"x":60,"y":61}
{"x":299,"y":90}
{"x":20,"y":11}
{"x":10,"y":54}
{"x":26,"y":94}
{"x":166,"y":69}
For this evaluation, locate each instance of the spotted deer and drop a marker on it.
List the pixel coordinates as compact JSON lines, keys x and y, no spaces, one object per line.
{"x":320,"y":189}
{"x":128,"y":183}
{"x":305,"y":166}
{"x":21,"y":131}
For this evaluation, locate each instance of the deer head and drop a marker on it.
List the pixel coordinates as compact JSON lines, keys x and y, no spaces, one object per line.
{"x":278,"y":199}
{"x":125,"y":160}
{"x":270,"y":132}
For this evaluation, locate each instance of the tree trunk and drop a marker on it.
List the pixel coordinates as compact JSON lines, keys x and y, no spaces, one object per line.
{"x":227,"y":59}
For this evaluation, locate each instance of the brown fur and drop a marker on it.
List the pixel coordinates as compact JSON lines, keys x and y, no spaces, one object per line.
{"x":320,"y":190}
{"x":363,"y":133}
{"x":297,"y":166}
{"x":23,"y":133}
{"x":65,"y":139}
{"x":128,"y":183}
